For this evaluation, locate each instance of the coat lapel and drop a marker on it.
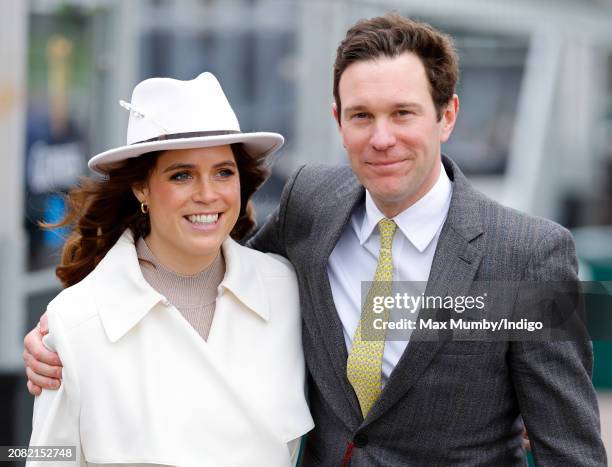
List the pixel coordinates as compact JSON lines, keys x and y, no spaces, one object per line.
{"x":326,"y":319}
{"x":453,"y":269}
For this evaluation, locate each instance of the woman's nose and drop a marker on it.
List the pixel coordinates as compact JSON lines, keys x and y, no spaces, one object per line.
{"x":205,"y":192}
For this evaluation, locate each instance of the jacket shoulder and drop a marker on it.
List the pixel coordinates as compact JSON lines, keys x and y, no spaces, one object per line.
{"x":321,"y":171}
{"x":470,"y":206}
{"x":518,"y":225}
{"x":317,"y":177}
{"x":316,"y":190}
{"x":516,"y":245}
{"x":74,"y":305}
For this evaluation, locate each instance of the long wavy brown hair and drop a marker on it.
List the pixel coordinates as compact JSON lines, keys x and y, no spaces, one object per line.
{"x":100,"y":209}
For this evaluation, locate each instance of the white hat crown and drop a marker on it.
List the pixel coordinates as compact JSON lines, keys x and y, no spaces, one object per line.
{"x":170,"y":114}
{"x":166,"y":106}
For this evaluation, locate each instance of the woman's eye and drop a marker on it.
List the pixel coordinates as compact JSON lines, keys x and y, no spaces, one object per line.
{"x":225,"y":173}
{"x":180,"y":176}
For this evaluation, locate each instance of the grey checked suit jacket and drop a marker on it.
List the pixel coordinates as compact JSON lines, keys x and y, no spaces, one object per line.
{"x":445,"y":403}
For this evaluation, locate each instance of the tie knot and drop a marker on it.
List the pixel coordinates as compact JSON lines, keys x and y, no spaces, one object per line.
{"x":387,"y":227}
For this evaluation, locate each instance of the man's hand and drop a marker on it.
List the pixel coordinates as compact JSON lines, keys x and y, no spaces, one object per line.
{"x":43,"y":367}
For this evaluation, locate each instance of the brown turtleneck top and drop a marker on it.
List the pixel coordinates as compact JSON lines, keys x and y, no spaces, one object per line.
{"x":194,"y":296}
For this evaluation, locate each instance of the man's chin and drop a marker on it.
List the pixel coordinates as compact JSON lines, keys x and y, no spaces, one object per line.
{"x":392,"y":188}
{"x":392,"y":202}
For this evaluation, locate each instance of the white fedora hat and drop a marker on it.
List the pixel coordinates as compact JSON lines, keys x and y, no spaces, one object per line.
{"x":168,"y":113}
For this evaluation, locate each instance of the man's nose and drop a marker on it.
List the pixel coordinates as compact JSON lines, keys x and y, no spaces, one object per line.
{"x":382,"y":137}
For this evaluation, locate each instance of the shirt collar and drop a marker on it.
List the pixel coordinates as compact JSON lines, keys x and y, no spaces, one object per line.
{"x":124,"y":297}
{"x":420,"y":222}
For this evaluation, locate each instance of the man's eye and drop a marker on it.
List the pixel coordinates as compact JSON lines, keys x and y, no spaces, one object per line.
{"x":180,"y":176}
{"x":404,"y":113}
{"x":360,"y":115}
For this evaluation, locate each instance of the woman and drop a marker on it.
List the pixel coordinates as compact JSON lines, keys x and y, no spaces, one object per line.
{"x":179,"y":346}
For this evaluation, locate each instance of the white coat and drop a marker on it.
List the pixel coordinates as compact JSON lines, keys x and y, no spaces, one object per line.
{"x":140,"y":386}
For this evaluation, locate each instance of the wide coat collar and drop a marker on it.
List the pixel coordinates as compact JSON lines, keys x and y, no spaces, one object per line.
{"x":123,"y":297}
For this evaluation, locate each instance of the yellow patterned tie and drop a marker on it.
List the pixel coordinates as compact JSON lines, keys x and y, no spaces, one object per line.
{"x":364,"y":364}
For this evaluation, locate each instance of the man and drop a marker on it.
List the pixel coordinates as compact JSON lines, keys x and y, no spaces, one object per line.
{"x":403,"y":211}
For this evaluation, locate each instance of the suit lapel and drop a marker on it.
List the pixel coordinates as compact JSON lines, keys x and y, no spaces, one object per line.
{"x":333,"y":221}
{"x":453,"y":269}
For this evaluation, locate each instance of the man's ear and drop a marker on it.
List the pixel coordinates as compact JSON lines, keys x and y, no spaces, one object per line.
{"x":449,"y":118}
{"x":334,"y":109}
{"x":141,"y":191}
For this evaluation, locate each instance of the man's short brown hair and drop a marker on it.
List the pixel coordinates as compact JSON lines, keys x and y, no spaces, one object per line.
{"x":391,"y":35}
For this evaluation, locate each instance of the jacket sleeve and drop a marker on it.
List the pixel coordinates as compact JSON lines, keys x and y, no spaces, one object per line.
{"x":552,"y":379}
{"x":55,"y":421}
{"x":271,"y":237}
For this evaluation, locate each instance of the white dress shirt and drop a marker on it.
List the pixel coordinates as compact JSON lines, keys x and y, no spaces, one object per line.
{"x":355,"y":256}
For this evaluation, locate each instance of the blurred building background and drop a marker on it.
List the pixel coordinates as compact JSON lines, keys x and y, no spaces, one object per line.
{"x":534,"y":131}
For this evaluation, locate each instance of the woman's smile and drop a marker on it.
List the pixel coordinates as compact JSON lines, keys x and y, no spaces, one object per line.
{"x":204,"y":222}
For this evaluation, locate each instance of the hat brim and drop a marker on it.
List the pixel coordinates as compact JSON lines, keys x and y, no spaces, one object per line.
{"x":258,"y":145}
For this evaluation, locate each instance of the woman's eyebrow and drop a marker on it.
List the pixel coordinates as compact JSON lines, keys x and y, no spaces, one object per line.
{"x":227,"y":162}
{"x":178,"y":165}
{"x":184,"y":166}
